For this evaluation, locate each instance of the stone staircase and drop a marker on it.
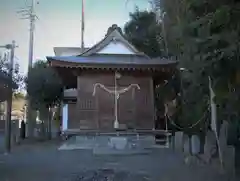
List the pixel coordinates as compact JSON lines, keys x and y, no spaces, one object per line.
{"x":163,"y":141}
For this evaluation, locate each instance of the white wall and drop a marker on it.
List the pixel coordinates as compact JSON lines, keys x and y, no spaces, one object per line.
{"x":70,"y":93}
{"x":65,"y":117}
{"x":116,"y":48}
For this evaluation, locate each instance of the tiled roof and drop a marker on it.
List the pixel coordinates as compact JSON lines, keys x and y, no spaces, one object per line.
{"x":75,"y":57}
{"x":117,"y":59}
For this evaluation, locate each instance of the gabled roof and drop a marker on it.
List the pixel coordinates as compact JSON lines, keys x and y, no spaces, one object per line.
{"x":113,"y":35}
{"x":107,"y":54}
{"x":68,"y":51}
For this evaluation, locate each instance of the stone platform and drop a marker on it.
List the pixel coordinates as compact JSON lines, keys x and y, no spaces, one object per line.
{"x":109,"y":144}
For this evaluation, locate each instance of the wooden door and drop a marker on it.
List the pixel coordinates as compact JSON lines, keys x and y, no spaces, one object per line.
{"x":126,"y":109}
{"x":106,"y":114}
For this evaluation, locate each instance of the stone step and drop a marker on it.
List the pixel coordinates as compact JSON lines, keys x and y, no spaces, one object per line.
{"x":76,"y":147}
{"x":108,"y":143}
{"x":111,"y":151}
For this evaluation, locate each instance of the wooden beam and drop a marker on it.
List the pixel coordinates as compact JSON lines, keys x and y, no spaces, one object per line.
{"x":152,"y":100}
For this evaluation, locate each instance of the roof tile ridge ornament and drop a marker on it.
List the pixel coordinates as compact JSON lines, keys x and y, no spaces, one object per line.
{"x":113,"y":28}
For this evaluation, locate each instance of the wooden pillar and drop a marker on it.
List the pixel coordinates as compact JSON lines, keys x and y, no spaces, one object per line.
{"x":78,"y":112}
{"x":97,"y":111}
{"x":135,"y":108}
{"x":152,"y":101}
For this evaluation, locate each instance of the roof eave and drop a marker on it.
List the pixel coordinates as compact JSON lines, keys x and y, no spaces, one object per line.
{"x":61,"y":64}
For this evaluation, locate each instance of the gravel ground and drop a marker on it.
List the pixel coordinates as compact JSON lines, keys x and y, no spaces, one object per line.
{"x":43,"y":162}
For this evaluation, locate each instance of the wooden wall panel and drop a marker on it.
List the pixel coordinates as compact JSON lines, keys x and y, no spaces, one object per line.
{"x":144,"y":111}
{"x":73,"y":122}
{"x":106,"y":109}
{"x":135,"y":107}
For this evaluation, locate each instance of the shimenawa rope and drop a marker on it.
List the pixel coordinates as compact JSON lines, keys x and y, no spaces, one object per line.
{"x":191,"y":126}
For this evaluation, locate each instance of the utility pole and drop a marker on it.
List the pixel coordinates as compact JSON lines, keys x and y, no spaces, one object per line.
{"x":8,"y":122}
{"x":82,"y":27}
{"x":29,"y":13}
{"x":32,"y":17}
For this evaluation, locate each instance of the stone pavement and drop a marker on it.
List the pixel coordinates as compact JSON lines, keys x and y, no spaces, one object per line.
{"x":44,"y":162}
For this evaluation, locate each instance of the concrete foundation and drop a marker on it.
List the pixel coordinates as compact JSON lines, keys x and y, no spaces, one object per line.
{"x":105,"y":144}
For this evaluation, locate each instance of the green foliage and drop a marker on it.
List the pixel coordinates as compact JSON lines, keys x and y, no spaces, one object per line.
{"x":143,"y":32}
{"x":4,"y":69}
{"x":207,"y":41}
{"x":43,"y":85}
{"x":204,"y":36}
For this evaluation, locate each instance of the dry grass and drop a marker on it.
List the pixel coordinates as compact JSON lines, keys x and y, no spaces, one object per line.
{"x":18,"y":107}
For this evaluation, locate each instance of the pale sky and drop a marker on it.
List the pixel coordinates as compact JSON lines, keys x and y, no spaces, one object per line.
{"x":59,"y":24}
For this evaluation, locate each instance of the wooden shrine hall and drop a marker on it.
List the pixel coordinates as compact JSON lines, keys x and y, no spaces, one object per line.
{"x":109,"y":86}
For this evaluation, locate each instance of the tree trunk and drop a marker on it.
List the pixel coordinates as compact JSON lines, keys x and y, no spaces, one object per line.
{"x":190,"y":144}
{"x":57,"y":121}
{"x":202,"y":141}
{"x":49,"y":123}
{"x":30,"y":121}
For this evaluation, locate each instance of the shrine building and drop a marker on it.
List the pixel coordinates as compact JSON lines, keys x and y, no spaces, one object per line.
{"x":110,"y":85}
